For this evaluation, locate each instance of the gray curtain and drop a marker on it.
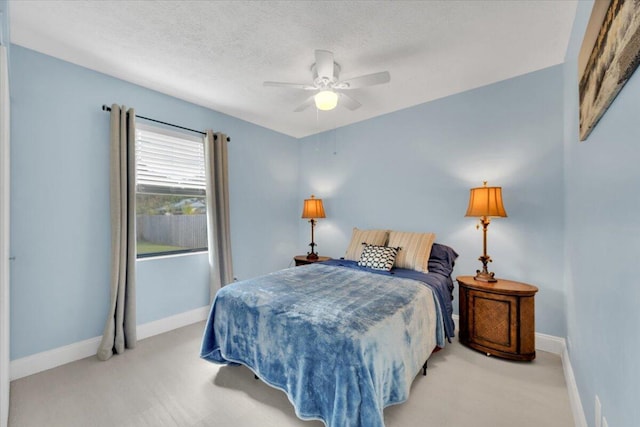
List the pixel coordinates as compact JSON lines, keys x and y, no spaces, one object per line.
{"x":218,"y":229}
{"x":120,"y":328}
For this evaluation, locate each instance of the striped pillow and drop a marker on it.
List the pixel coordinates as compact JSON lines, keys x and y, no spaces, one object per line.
{"x":370,"y":237}
{"x":416,"y":248}
{"x":378,"y":257}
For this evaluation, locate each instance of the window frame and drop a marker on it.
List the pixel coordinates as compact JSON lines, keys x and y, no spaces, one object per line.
{"x":173,"y":191}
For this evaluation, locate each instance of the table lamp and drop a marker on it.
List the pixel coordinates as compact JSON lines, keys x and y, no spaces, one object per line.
{"x":312,"y":209}
{"x":485,"y":202}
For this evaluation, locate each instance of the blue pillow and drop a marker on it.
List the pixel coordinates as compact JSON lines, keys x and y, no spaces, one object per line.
{"x":442,"y":259}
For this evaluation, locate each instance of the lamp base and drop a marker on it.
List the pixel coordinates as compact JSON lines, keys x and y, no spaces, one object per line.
{"x":483,"y":276}
{"x":312,"y":255}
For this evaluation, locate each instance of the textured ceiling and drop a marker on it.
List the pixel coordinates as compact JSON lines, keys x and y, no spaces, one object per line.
{"x":218,"y":53}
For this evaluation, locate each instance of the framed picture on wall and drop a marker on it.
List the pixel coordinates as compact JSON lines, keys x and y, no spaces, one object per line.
{"x":614,"y":58}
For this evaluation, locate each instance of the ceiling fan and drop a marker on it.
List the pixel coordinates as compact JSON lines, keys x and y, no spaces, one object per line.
{"x":328,"y":88}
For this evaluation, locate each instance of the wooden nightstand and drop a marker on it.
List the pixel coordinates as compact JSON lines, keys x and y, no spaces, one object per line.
{"x":498,"y":318}
{"x":302,"y":259}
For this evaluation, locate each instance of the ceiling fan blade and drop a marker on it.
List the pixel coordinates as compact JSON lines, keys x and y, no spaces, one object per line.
{"x":290,"y":85}
{"x":306,"y":104}
{"x":367,"y":80}
{"x":324,"y":63}
{"x":349,"y":102}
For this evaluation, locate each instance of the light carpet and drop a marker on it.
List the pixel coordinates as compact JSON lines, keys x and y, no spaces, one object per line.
{"x":163,"y":382}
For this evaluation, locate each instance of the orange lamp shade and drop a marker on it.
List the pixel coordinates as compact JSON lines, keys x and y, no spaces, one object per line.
{"x":486,"y":202}
{"x":313,"y":208}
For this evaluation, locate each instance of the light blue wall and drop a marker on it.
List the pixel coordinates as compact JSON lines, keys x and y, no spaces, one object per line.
{"x":412,"y":170}
{"x":603,"y":243}
{"x":60,"y":203}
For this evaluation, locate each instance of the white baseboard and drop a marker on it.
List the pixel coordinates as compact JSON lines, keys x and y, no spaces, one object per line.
{"x":579,"y":418}
{"x":550,"y":343}
{"x":172,"y":322}
{"x":558,"y":345}
{"x":39,"y":362}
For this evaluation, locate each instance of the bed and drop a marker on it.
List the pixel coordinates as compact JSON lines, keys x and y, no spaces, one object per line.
{"x":341,"y":340}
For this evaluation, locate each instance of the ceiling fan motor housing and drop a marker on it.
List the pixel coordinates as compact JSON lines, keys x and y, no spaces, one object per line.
{"x":325,"y":82}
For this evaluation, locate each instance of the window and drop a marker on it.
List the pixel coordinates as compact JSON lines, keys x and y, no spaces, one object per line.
{"x":170,"y":192}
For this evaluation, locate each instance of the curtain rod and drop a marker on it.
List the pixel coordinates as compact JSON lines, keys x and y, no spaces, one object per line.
{"x":107,"y":108}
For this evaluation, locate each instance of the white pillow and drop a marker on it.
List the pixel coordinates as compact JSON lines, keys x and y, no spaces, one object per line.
{"x":415,"y":249}
{"x":370,"y":237}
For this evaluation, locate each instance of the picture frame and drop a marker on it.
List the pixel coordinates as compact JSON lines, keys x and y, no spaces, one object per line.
{"x":614,"y":58}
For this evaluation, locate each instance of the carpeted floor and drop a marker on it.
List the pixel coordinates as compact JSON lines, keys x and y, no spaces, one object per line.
{"x":163,"y":382}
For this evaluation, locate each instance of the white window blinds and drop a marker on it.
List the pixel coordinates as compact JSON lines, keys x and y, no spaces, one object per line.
{"x":167,"y":162}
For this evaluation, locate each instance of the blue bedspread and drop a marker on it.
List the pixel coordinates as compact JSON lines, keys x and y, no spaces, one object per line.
{"x":341,"y":343}
{"x":440,"y":283}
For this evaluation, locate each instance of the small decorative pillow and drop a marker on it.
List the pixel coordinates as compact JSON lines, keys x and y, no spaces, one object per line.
{"x":378,"y":257}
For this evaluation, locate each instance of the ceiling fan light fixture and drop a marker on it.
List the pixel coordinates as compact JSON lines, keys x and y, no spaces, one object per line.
{"x":326,"y":100}
{"x":326,"y":81}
